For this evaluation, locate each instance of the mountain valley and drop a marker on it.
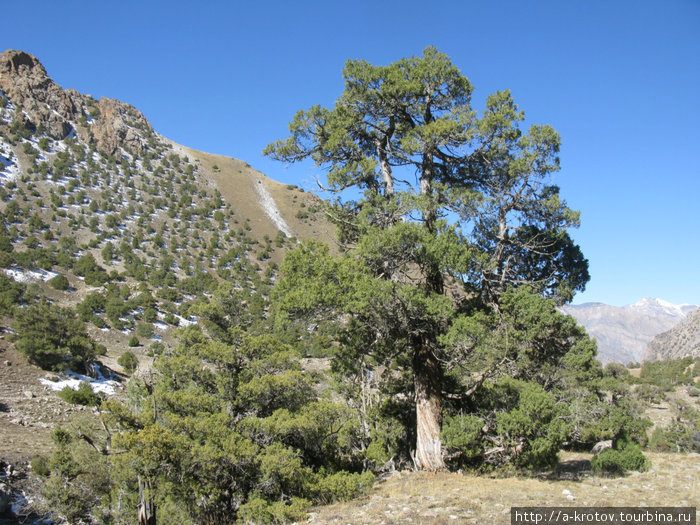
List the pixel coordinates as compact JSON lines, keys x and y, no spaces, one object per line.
{"x":109,"y":225}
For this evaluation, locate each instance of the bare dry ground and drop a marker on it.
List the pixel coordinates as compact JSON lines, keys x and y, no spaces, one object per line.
{"x":442,"y":498}
{"x":29,"y":411}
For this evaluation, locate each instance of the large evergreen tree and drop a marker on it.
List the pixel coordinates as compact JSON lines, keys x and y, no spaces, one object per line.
{"x":454,"y":207}
{"x":228,"y":428}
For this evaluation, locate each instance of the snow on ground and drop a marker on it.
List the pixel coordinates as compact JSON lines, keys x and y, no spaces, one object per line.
{"x":9,"y":168}
{"x":182,"y":321}
{"x":185,"y":322}
{"x":271,"y":210}
{"x":43,"y":275}
{"x":58,"y":146}
{"x":26,"y":276}
{"x":653,"y":306}
{"x":73,"y":380}
{"x":17,"y":275}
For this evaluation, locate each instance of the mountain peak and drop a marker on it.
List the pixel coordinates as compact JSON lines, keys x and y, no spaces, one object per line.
{"x":17,"y":62}
{"x":655,"y":306}
{"x":623,"y":333}
{"x":61,"y":113}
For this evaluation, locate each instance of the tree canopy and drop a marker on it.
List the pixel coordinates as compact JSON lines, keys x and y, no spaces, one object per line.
{"x":441,"y":210}
{"x":51,"y":337}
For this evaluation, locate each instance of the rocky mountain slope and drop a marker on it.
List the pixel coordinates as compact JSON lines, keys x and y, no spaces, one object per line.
{"x":680,"y":341}
{"x":623,"y":332}
{"x":134,"y":233}
{"x":90,"y":191}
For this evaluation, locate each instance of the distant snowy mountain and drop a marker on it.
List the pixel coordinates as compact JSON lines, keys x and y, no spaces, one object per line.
{"x":623,"y":333}
{"x":659,"y":307}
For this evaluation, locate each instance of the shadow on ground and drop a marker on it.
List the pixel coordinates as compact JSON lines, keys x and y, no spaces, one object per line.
{"x":572,"y":469}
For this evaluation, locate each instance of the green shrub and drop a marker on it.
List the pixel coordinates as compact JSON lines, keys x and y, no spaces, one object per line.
{"x":461,"y":436}
{"x":171,"y":319}
{"x":78,"y":478}
{"x":670,"y":373}
{"x":40,"y":465}
{"x":259,"y":510}
{"x":616,"y":370}
{"x":156,"y":349}
{"x":45,"y":143}
{"x":144,"y":330}
{"x":128,"y":361}
{"x":134,"y":341}
{"x":150,"y":315}
{"x":88,"y":268}
{"x":650,"y":393}
{"x":621,"y":459}
{"x":676,"y":437}
{"x":341,"y":486}
{"x":60,"y":282}
{"x":52,"y":338}
{"x":84,"y":395}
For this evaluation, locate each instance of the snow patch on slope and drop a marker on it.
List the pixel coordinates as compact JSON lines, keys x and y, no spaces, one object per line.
{"x":9,"y":168}
{"x":270,"y":208}
{"x":73,"y":380}
{"x":28,"y":276}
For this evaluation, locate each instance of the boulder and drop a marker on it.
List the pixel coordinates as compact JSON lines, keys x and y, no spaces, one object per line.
{"x":601,"y":445}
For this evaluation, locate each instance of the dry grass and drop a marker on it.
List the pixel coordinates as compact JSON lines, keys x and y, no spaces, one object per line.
{"x":236,"y":181}
{"x":422,"y":498}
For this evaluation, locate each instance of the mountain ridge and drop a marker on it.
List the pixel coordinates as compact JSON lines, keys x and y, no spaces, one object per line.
{"x":81,"y":178}
{"x":682,"y":340}
{"x":623,"y":332}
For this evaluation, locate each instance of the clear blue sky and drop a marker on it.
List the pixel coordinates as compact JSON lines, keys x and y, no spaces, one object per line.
{"x":619,"y":80}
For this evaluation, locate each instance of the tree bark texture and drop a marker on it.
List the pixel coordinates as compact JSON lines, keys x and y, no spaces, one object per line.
{"x":427,"y":375}
{"x":147,"y":508}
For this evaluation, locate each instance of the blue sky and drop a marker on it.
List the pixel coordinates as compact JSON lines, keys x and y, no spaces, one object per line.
{"x":619,"y":80}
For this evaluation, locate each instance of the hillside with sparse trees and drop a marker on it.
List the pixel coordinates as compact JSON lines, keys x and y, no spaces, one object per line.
{"x":188,"y":341}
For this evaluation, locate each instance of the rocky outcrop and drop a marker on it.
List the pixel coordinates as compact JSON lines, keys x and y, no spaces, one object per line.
{"x":680,"y":341}
{"x":57,"y":112}
{"x":120,"y":124}
{"x":25,"y":83}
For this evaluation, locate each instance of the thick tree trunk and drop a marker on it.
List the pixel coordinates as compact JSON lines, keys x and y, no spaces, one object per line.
{"x":427,"y":375}
{"x":427,"y":371}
